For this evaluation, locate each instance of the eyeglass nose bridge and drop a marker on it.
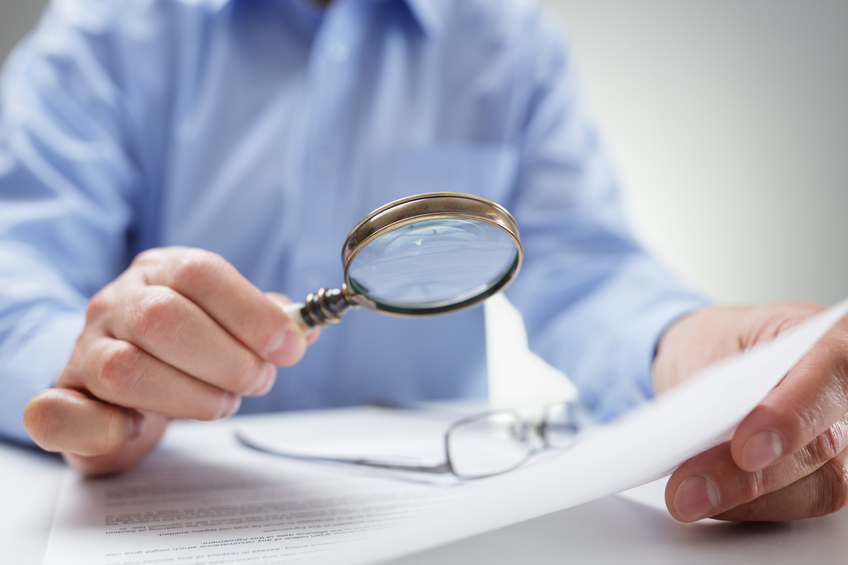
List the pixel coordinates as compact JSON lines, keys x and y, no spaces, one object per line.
{"x":532,"y":433}
{"x":518,"y":430}
{"x":541,"y":429}
{"x":538,"y":440}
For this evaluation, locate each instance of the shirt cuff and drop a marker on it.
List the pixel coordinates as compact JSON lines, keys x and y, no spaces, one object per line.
{"x":635,"y":347}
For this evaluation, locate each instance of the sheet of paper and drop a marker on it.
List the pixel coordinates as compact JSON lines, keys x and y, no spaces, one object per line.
{"x":204,"y":499}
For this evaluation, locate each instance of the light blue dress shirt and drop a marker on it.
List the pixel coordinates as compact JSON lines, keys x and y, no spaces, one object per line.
{"x":264,"y":130}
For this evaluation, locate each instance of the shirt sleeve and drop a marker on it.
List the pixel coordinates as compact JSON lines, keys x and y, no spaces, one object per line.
{"x":66,"y":179}
{"x":595,"y":302}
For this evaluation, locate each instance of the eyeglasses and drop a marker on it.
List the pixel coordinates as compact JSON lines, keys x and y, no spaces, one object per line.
{"x":478,"y":446}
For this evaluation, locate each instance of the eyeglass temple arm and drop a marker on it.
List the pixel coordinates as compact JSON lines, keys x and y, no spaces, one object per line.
{"x":380,"y":463}
{"x":385,"y":464}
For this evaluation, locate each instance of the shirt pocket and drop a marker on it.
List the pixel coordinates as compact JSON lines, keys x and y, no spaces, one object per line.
{"x":484,"y":170}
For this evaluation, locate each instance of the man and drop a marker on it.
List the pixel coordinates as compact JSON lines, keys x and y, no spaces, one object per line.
{"x":168,"y":167}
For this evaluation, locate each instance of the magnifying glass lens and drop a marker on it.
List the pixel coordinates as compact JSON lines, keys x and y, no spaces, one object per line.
{"x":422,"y":255}
{"x":433,"y":263}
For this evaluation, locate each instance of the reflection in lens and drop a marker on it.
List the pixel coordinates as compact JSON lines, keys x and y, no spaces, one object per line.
{"x":491,"y":444}
{"x":433,"y":263}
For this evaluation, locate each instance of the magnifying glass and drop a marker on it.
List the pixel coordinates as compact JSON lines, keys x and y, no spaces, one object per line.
{"x":419,"y":256}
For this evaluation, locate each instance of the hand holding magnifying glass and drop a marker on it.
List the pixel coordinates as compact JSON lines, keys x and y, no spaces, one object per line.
{"x":419,"y":256}
{"x":169,"y":338}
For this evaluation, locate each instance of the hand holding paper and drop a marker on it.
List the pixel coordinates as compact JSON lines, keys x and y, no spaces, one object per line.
{"x":787,"y":459}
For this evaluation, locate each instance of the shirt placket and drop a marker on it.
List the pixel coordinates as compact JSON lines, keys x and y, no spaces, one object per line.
{"x":326,"y":183}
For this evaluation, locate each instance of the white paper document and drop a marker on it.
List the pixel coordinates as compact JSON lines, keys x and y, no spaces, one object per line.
{"x":204,"y":499}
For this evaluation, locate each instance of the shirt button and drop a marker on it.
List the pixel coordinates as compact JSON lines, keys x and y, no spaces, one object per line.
{"x":337,"y":52}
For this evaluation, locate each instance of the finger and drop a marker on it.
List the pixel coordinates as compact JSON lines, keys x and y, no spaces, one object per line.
{"x":313,"y":335}
{"x":282,"y":300}
{"x":823,"y":492}
{"x":175,"y":330}
{"x":127,"y":454}
{"x":230,"y":299}
{"x":711,"y":483}
{"x":807,"y":402}
{"x":120,"y":373}
{"x":69,"y":421}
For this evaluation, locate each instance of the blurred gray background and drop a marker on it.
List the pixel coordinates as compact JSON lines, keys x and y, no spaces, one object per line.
{"x":728,"y":120}
{"x":728,"y":125}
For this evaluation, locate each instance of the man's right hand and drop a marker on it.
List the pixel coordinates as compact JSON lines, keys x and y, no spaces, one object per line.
{"x":180,"y":334}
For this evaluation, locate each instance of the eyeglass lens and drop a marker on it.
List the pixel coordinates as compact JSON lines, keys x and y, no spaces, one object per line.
{"x":489,"y":444}
{"x":497,"y":442}
{"x":433,"y":263}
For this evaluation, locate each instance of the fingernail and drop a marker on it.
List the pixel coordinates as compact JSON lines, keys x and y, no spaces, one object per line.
{"x":696,"y":498}
{"x":286,"y":347}
{"x":137,"y":424}
{"x":229,"y":405}
{"x":266,"y":380}
{"x":761,"y":450}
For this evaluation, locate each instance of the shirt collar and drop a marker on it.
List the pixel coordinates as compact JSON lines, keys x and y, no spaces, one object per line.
{"x":430,"y":14}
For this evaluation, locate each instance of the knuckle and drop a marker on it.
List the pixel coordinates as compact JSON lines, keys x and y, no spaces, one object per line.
{"x":753,"y":510}
{"x":793,"y":423}
{"x":754,"y":486}
{"x":99,"y":305}
{"x":827,"y":445}
{"x":155,"y":315}
{"x":212,"y":410}
{"x":147,"y":257}
{"x":834,"y":487}
{"x":194,"y":267}
{"x":114,"y":433}
{"x":118,"y":372}
{"x":245,"y":375}
{"x":207,"y":407}
{"x":839,"y":373}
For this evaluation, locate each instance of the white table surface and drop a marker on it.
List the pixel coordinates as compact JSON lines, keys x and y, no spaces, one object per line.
{"x":612,"y":530}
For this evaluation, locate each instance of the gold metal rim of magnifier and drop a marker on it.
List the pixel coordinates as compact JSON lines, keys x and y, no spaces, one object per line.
{"x":425,"y":207}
